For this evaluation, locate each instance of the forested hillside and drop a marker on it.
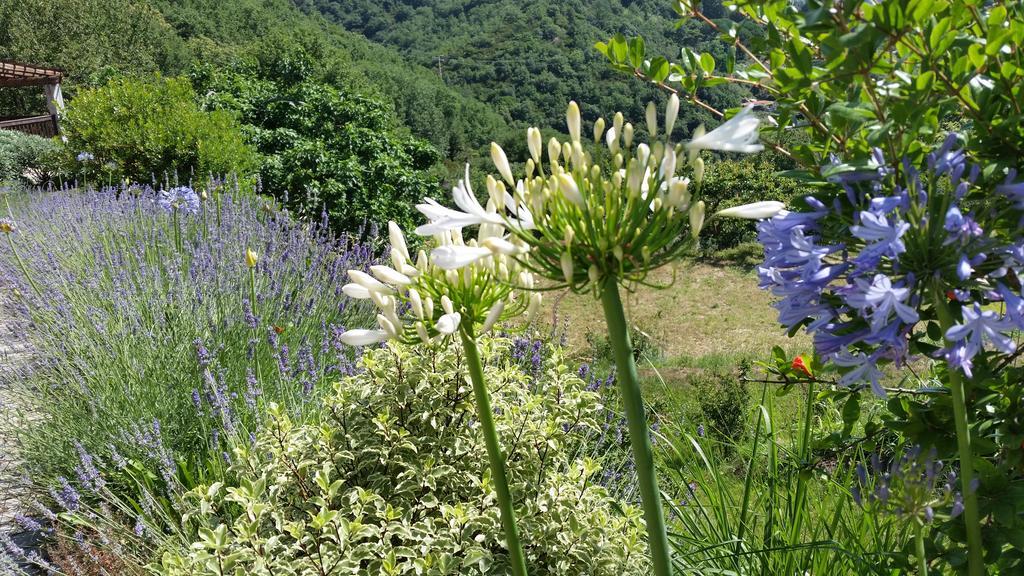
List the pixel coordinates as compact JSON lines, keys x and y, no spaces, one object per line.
{"x":94,"y":40}
{"x":527,"y":59}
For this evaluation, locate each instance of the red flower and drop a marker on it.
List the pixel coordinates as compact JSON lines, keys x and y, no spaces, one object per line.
{"x":800,"y":366}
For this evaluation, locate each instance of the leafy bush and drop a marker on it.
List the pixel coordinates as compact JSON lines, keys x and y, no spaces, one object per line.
{"x":730,"y":183}
{"x":151,"y":352}
{"x":394,"y":482}
{"x":326,"y":149}
{"x":20,"y":152}
{"x":151,"y":129}
{"x":724,"y":402}
{"x":644,"y":345}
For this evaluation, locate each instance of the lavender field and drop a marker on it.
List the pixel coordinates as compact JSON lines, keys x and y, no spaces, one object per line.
{"x":149,"y":352}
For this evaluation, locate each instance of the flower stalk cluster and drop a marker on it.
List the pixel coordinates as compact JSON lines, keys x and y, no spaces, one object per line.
{"x":903,"y":256}
{"x":587,"y":216}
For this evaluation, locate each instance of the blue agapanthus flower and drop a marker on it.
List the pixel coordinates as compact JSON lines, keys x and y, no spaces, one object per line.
{"x":182,"y":199}
{"x":860,"y":272}
{"x":85,"y":157}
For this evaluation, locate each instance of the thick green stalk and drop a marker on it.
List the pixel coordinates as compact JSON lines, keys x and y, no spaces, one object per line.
{"x":497,"y":459}
{"x":256,"y":330}
{"x":922,"y":562}
{"x":639,"y":434}
{"x":975,"y":559}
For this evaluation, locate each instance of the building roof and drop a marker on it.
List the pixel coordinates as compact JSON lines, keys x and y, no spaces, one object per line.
{"x":17,"y":74}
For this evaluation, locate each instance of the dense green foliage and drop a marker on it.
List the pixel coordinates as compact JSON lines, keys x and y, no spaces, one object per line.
{"x":94,"y":40}
{"x":324,"y":149}
{"x":525,"y":60}
{"x":20,"y":152}
{"x":395,"y":482}
{"x":146,"y":130}
{"x":729,"y":183}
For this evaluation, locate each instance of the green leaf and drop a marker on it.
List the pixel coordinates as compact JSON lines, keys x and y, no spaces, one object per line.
{"x":851,"y":413}
{"x":637,"y":51}
{"x":619,"y":48}
{"x":659,"y":69}
{"x":707,"y":63}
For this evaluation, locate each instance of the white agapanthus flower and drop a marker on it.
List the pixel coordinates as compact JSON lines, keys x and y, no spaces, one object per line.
{"x":460,"y":285}
{"x":738,"y":134}
{"x":620,"y":210}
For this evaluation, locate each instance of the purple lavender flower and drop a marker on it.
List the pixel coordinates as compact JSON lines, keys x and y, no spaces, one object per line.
{"x":67,"y":497}
{"x":88,"y":475}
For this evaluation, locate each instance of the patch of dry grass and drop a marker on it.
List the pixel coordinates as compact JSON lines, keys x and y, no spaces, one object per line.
{"x":707,"y":311}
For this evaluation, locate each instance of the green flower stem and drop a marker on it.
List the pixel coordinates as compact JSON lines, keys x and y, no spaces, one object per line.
{"x":922,"y":562}
{"x":975,"y":560}
{"x":256,"y":330}
{"x":497,"y":459}
{"x":639,"y":434}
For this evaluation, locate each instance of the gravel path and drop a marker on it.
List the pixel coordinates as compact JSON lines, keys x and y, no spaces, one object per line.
{"x":14,"y":354}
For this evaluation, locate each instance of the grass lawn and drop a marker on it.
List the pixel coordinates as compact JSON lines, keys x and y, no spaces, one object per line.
{"x":704,"y":322}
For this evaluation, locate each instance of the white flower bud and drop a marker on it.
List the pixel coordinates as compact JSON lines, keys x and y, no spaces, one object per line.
{"x":652,"y":120}
{"x":567,"y":184}
{"x":617,"y":122}
{"x":369,"y":282}
{"x":363,"y":337}
{"x":356,"y":291}
{"x":416,"y":302}
{"x":754,"y":211}
{"x":643,"y":153}
{"x":598,"y":130}
{"x":500,"y":246}
{"x":567,"y":266}
{"x":387,"y":326}
{"x":398,"y":239}
{"x":446,"y":305}
{"x":448,"y":323}
{"x":421,"y":330}
{"x":572,"y":120}
{"x":492,"y":316}
{"x":501,"y":163}
{"x":617,"y":252}
{"x":534,"y":141}
{"x":594,"y":273}
{"x":627,"y":135}
{"x":390,"y":275}
{"x":671,"y":111}
{"x":698,"y":170}
{"x":534,"y":307}
{"x":428,"y":307}
{"x":668,"y":166}
{"x":554,"y":150}
{"x":696,"y":218}
{"x":611,"y":139}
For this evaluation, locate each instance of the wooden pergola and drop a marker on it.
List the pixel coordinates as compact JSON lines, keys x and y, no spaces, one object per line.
{"x":16,"y":74}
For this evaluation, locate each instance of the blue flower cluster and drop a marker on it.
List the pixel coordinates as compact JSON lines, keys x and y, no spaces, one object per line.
{"x":858,"y":272}
{"x":182,"y":198}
